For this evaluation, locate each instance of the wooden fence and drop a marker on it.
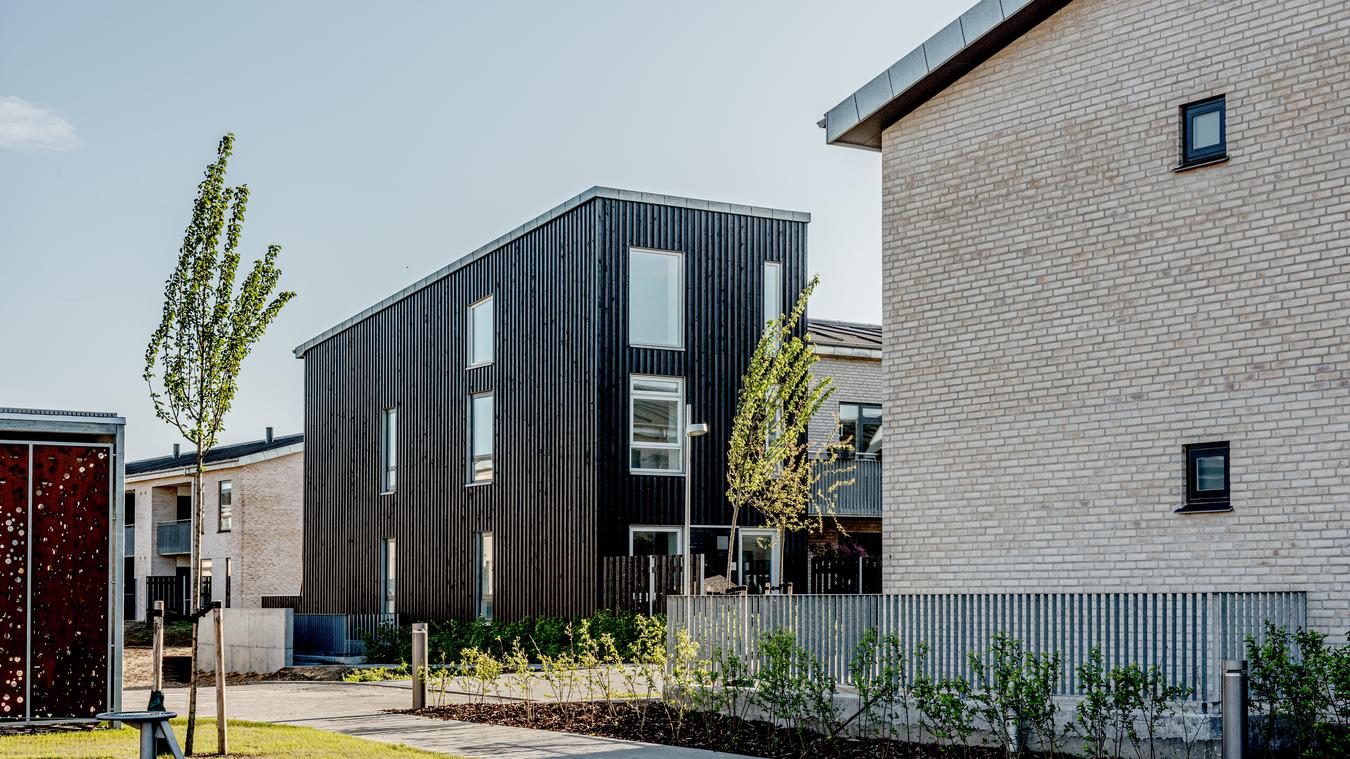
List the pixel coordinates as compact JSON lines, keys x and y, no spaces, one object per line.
{"x":642,"y":583}
{"x":175,"y":591}
{"x":839,"y":576}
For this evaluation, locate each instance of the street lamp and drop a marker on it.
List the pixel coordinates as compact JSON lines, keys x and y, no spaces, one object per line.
{"x":690,"y":431}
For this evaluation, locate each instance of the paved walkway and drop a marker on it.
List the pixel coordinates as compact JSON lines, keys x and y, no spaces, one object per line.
{"x":357,"y":709}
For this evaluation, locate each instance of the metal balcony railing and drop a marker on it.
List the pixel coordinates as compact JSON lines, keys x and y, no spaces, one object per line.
{"x":860,"y":498}
{"x":173,"y":537}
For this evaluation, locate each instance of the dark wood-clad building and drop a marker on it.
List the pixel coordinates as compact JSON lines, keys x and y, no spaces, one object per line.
{"x":476,"y":442}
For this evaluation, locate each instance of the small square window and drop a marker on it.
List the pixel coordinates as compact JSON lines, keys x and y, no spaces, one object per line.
{"x":1204,"y":132}
{"x":1207,"y":477}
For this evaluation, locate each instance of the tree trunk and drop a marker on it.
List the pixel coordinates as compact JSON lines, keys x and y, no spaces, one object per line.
{"x":731,"y":543}
{"x":195,"y":596}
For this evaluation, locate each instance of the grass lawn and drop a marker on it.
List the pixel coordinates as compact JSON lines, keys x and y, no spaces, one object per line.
{"x":247,"y":739}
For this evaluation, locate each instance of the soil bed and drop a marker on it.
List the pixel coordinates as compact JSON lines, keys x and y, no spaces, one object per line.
{"x":653,"y":722}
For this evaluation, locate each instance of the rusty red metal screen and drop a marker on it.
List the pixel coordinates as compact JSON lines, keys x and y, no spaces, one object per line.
{"x":54,"y":574}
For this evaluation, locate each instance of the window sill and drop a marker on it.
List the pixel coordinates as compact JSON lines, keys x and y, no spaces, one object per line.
{"x":386,"y":492}
{"x":657,"y":347}
{"x":1221,"y":507}
{"x":1199,"y":164}
{"x":478,"y":484}
{"x":478,"y":366}
{"x":654,"y":473}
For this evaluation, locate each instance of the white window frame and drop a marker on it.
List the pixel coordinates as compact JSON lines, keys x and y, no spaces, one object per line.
{"x":678,"y":345}
{"x":221,"y":524}
{"x":678,"y":532}
{"x":468,"y":442}
{"x":775,"y":554}
{"x":469,"y":341}
{"x":680,"y":422}
{"x":388,"y":580}
{"x":388,"y":450}
{"x":484,"y":572}
{"x":777,"y":266}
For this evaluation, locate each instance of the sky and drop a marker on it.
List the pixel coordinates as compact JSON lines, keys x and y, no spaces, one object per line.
{"x":380,"y":141}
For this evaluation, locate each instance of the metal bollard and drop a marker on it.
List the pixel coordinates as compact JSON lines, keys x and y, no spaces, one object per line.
{"x":419,"y":665}
{"x":1234,"y":708}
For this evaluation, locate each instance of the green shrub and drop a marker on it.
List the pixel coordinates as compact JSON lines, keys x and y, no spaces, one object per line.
{"x":539,"y":636}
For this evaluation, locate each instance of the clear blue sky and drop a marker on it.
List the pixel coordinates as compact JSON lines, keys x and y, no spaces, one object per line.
{"x":383,"y":140}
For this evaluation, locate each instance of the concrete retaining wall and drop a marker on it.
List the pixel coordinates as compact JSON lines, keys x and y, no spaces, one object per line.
{"x":256,"y":640}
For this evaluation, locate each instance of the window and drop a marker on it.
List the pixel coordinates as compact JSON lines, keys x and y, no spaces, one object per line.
{"x":757,"y":564}
{"x":483,"y":588}
{"x":1204,"y":132}
{"x":655,"y":298}
{"x":129,"y":508}
{"x":1207,"y":477}
{"x":655,"y":424}
{"x":480,"y":438}
{"x":388,"y":575}
{"x":861,"y":423}
{"x":208,"y":593}
{"x":389,"y":451}
{"x":225,"y":509}
{"x":480,"y":333}
{"x":773,"y":291}
{"x":229,"y":579}
{"x":654,"y":541}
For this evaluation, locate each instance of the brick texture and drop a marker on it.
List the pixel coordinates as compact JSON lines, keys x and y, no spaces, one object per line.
{"x":1063,"y":313}
{"x":856,"y":380}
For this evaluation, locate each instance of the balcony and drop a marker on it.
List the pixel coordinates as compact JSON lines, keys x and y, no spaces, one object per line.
{"x":173,"y":537}
{"x":129,"y":540}
{"x":860,"y":498}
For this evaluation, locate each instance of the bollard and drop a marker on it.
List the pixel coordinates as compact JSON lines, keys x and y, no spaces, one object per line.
{"x":1234,"y":706}
{"x":419,"y":665}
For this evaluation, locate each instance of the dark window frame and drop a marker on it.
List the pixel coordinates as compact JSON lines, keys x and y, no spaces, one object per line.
{"x":1207,"y":500}
{"x":1213,"y":153}
{"x":857,"y":420}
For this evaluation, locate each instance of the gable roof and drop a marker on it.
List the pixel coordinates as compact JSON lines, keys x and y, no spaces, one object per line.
{"x":215,"y":456}
{"x":541,"y":220}
{"x":930,"y":68}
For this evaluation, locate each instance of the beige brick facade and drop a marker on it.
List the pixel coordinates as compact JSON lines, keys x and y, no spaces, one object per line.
{"x":856,"y":380}
{"x":1063,"y":312}
{"x":264,"y":543}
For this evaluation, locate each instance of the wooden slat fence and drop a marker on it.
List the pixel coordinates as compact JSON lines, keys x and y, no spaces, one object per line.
{"x":838,"y":575}
{"x":1186,"y":634}
{"x":643,"y":583}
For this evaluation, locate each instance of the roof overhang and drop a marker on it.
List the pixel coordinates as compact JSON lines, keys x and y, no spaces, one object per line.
{"x":947,"y":56}
{"x":539,"y":221}
{"x":179,"y":472}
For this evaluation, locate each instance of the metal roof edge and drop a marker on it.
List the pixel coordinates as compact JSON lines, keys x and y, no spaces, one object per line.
{"x":597,"y":191}
{"x":975,"y":36}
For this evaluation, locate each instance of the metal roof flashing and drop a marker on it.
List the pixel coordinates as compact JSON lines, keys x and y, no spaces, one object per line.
{"x":538,"y":221}
{"x":954,"y":51}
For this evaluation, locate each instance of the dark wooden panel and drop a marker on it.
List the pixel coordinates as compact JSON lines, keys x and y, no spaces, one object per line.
{"x":412,"y":355}
{"x":13,"y":579}
{"x":70,"y":581}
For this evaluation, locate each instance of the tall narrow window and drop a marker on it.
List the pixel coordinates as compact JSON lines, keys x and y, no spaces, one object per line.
{"x":129,"y":508}
{"x":389,"y":451}
{"x":655,"y":298}
{"x":225,"y":506}
{"x":229,"y":579}
{"x":654,"y":429}
{"x":388,"y":575}
{"x":773,"y":291}
{"x":480,"y":333}
{"x":480,"y":438}
{"x":207,"y":592}
{"x":1207,"y":477}
{"x":483,"y":588}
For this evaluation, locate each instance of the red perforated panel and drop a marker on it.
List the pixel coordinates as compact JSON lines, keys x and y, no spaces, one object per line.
{"x":13,"y":578}
{"x":70,"y":581}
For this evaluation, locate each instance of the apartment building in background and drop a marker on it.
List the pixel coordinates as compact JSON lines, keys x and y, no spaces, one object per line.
{"x":1116,"y":287}
{"x":252,"y":536}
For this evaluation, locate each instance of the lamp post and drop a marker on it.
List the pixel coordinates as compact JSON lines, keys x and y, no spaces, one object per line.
{"x":690,"y":431}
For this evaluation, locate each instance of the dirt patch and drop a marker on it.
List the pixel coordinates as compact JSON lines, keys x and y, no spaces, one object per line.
{"x":654,"y":722}
{"x":136,"y":663}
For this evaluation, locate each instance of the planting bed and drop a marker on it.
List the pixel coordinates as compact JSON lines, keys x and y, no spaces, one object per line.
{"x":654,"y":722}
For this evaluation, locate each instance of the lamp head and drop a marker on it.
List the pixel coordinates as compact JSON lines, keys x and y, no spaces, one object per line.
{"x":694,"y":430}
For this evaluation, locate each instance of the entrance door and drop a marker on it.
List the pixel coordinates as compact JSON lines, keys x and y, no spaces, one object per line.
{"x":758,"y":559}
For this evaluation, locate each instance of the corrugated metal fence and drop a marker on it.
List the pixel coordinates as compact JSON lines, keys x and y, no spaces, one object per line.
{"x":1186,"y":634}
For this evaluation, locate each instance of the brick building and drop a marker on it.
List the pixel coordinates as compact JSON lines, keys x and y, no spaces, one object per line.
{"x":1115,"y":287}
{"x":251,"y":544}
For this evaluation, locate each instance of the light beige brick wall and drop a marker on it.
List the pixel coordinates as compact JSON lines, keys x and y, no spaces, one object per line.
{"x":856,"y":380}
{"x":264,"y":545}
{"x":1063,"y":313}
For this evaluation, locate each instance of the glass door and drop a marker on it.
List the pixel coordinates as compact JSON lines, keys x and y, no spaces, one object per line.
{"x":758,"y":559}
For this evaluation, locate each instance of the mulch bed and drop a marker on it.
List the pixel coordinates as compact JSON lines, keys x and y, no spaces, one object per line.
{"x":653,"y":722}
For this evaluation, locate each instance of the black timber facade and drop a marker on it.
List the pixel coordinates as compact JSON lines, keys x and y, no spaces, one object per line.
{"x":562,"y":495}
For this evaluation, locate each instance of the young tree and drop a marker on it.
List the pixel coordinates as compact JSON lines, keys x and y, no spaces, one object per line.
{"x":771,"y":464}
{"x":206,"y":330}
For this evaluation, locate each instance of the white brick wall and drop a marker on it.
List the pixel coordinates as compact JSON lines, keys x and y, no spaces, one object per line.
{"x":856,"y":380}
{"x":1063,"y":313}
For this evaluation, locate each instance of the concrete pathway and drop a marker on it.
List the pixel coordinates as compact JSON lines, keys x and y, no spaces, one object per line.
{"x":357,"y":709}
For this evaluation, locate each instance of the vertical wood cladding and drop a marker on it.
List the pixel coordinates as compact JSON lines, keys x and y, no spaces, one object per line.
{"x":561,"y":496}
